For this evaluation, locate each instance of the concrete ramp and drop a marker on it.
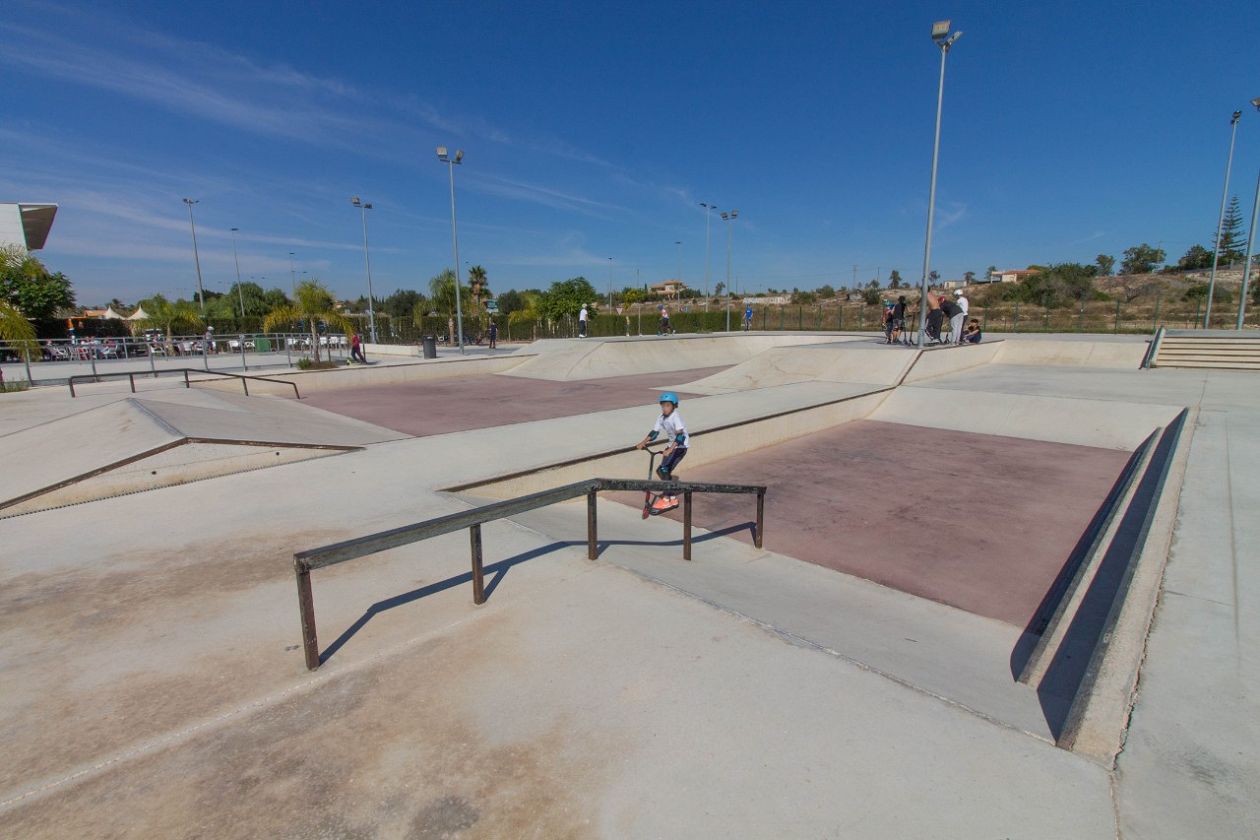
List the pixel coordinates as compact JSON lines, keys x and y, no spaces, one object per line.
{"x":593,"y":358}
{"x":845,"y":361}
{"x":136,"y":444}
{"x":1121,"y":353}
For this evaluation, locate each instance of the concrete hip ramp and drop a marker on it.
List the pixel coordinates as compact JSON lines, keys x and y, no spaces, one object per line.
{"x":843,"y":361}
{"x":593,"y":358}
{"x":140,"y":444}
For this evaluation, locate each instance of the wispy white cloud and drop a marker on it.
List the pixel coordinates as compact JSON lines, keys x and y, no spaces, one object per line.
{"x":508,"y":188}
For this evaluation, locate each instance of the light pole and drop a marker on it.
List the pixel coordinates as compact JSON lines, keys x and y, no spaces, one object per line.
{"x":365,"y":206}
{"x":679,"y":249}
{"x":728,"y":218}
{"x":943,"y":39}
{"x":239,"y":294}
{"x":292,"y":276}
{"x":610,"y":272}
{"x":201,"y":297}
{"x":708,"y":215}
{"x":1216,"y":251}
{"x":1251,"y":244}
{"x":451,"y":162}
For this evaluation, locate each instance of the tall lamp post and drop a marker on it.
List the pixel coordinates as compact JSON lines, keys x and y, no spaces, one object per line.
{"x":943,"y":39}
{"x":365,"y":206}
{"x":1251,"y":244}
{"x":1220,"y":223}
{"x":678,"y":248}
{"x":292,"y":275}
{"x":451,"y":162}
{"x":201,"y":296}
{"x":239,"y":294}
{"x":708,"y":215}
{"x":728,"y":218}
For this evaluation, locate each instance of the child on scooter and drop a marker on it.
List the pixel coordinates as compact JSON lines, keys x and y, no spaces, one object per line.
{"x":671,"y":424}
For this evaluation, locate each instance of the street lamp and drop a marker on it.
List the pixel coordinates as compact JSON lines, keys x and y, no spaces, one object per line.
{"x":292,"y":276}
{"x":451,"y":162}
{"x":1220,"y":223}
{"x":363,"y":208}
{"x":201,"y":297}
{"x":728,"y":218}
{"x":1251,"y":243}
{"x":708,"y":215}
{"x":610,"y":269}
{"x":679,"y":250}
{"x":237,"y":260}
{"x":943,"y":39}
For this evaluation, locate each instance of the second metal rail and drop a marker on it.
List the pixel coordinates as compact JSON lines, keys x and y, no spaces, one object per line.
{"x":131,"y":376}
{"x":329,"y":555}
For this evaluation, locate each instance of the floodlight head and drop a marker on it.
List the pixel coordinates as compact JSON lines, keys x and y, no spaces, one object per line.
{"x":1237,"y":115}
{"x":940,"y":30}
{"x":734,"y":214}
{"x":459,"y":156}
{"x":725,"y":216}
{"x":234,"y":230}
{"x":354,"y":199}
{"x":441,"y":153}
{"x":190,"y":201}
{"x":1256,"y":102}
{"x":367,"y":206}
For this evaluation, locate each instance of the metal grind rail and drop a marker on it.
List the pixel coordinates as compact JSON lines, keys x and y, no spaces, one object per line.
{"x":131,"y":376}
{"x":317,"y":558}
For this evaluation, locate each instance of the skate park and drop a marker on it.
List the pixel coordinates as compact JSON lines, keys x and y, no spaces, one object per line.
{"x":994,"y":586}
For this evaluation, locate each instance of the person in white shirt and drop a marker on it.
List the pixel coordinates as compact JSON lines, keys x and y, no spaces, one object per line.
{"x":582,"y":316}
{"x":965,"y":306}
{"x":670,"y":423}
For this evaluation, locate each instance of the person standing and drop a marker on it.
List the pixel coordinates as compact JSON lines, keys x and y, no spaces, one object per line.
{"x":965,"y":306}
{"x":665,"y":330}
{"x":494,"y":334}
{"x":582,"y":316}
{"x":748,"y":316}
{"x":898,"y":319}
{"x":954,"y":313}
{"x":356,"y":349}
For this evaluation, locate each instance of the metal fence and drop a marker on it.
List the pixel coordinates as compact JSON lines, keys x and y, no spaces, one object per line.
{"x":54,"y":361}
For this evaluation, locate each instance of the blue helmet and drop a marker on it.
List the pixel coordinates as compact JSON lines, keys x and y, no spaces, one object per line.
{"x":669,"y":397}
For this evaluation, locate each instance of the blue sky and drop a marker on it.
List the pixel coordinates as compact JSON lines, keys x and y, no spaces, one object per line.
{"x":592,"y":130}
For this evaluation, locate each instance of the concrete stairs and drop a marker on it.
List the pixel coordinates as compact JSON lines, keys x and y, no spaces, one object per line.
{"x":1217,"y":349}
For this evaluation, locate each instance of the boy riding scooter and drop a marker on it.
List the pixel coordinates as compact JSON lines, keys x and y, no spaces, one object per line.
{"x":671,"y":423}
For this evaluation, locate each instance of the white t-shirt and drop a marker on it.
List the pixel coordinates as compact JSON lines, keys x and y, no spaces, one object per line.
{"x":672,"y":426}
{"x":582,"y":314}
{"x":963,"y":304}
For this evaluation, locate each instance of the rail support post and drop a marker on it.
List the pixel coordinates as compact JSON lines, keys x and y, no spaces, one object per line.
{"x":187,"y":384}
{"x":686,"y":524}
{"x":592,"y":529}
{"x":306,"y":606}
{"x":478,"y":577}
{"x":131,"y":377}
{"x":761,"y":518}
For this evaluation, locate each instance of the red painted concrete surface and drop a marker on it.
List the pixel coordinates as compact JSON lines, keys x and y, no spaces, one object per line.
{"x":478,"y":402}
{"x":980,"y":522}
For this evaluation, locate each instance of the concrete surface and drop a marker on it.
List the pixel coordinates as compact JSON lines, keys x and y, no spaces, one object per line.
{"x":151,"y":684}
{"x":980,"y":522}
{"x":475,"y":402}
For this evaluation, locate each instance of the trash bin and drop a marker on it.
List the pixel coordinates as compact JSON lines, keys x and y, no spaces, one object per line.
{"x":430,"y":347}
{"x":262,"y":345}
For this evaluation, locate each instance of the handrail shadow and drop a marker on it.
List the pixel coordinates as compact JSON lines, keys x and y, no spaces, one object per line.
{"x":498,"y":571}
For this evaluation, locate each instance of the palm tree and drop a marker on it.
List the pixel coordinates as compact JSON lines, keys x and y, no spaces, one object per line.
{"x":314,"y":303}
{"x":442,"y":293}
{"x":477,"y":283}
{"x":15,"y":331}
{"x":166,"y":316}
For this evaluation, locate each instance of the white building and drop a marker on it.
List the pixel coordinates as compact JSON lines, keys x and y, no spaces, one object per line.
{"x":26,"y":226}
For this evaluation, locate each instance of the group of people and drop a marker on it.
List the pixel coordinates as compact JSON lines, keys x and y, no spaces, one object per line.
{"x":940,"y":308}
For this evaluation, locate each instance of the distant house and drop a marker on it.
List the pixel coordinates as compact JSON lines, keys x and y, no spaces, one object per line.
{"x":768,"y":300}
{"x":949,"y":285}
{"x":669,"y":288}
{"x":1013,"y":275}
